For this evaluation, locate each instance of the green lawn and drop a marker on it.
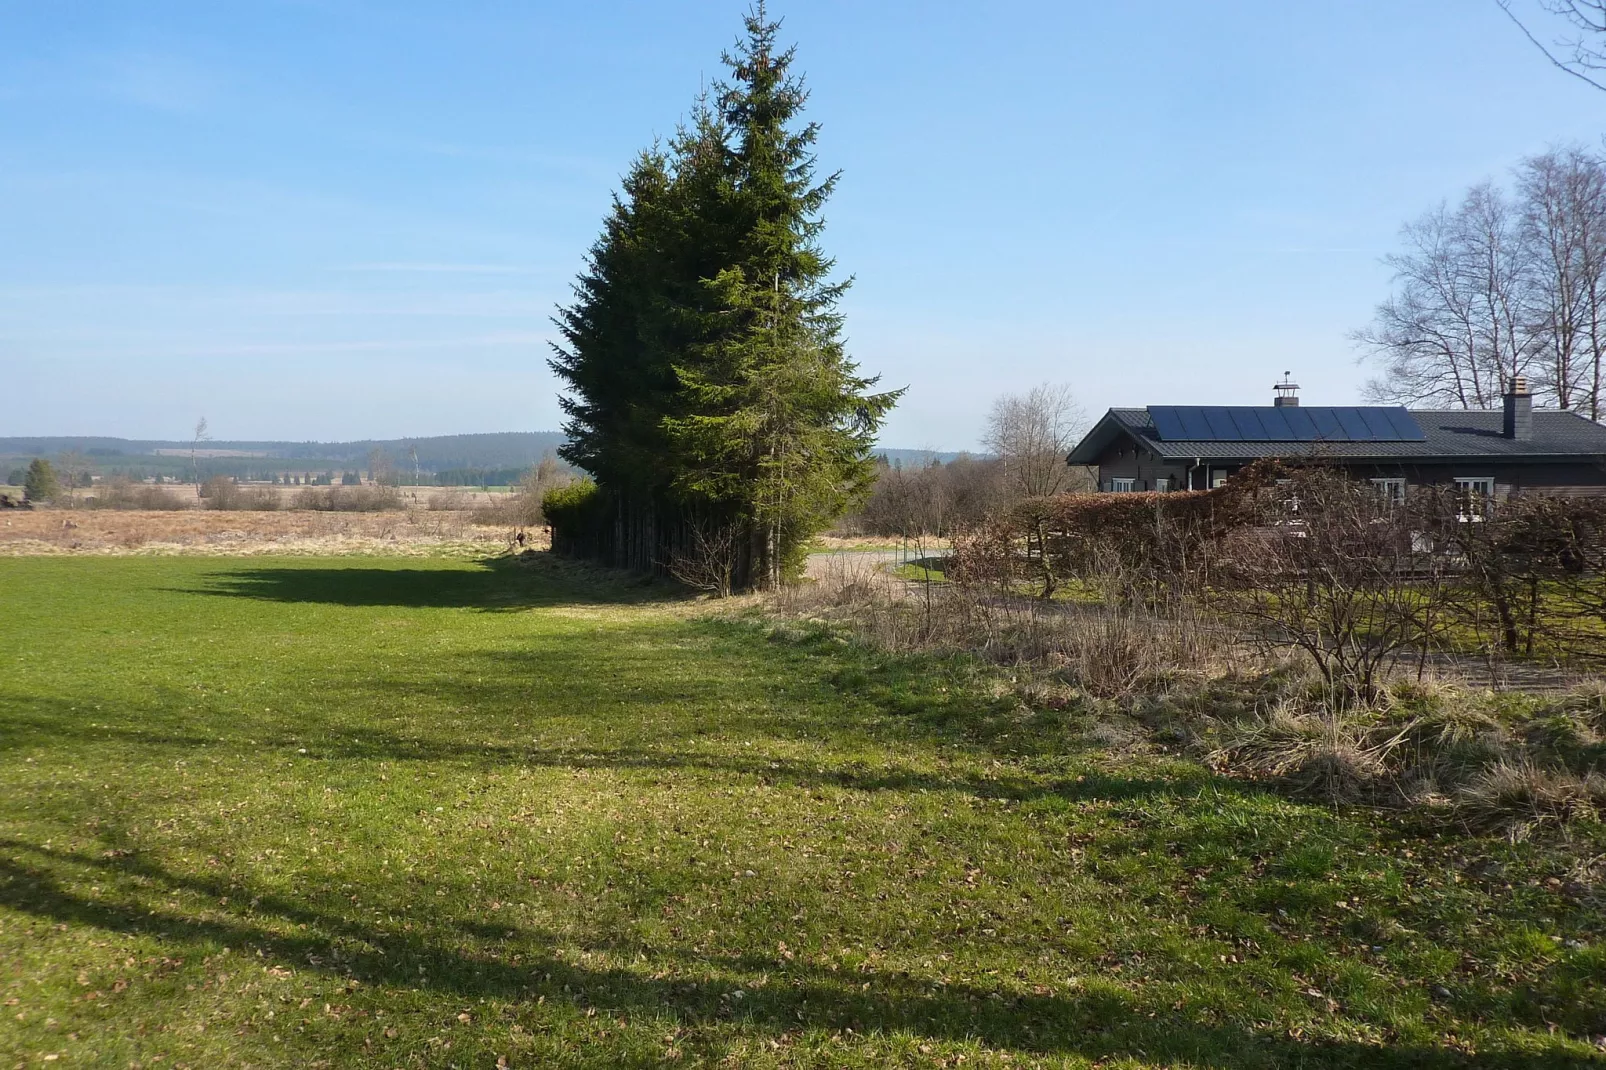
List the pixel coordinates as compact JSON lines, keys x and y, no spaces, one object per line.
{"x":392,"y":813}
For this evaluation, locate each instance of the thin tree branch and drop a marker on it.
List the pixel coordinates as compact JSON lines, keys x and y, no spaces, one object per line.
{"x":1505,"y":5}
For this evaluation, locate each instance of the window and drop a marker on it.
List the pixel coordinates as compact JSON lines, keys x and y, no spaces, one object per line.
{"x":1162,"y":483}
{"x":1474,"y":493}
{"x":1391,"y":490}
{"x":1123,"y":486}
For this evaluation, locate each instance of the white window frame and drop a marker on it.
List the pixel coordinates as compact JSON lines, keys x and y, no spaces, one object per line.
{"x":1124,"y":485}
{"x":1162,"y":483}
{"x":1392,"y":488}
{"x":1475,"y":508}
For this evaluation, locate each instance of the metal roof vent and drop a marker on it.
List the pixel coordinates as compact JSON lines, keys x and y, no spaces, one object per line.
{"x":1287,"y":393}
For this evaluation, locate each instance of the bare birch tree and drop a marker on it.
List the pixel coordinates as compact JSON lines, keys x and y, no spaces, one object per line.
{"x":1454,"y":328}
{"x":1501,"y":286}
{"x":1032,"y":433}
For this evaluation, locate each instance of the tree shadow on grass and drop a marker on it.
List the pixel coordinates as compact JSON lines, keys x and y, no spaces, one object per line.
{"x":695,"y":991}
{"x":40,"y":721}
{"x":531,"y":580}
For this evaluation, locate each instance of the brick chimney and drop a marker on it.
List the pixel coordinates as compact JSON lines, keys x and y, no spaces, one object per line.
{"x":1519,"y":415}
{"x":1287,"y":393}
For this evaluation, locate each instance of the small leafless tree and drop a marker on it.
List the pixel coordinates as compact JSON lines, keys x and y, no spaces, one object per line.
{"x":201,"y":436}
{"x":1529,"y":568}
{"x":1032,"y":433}
{"x":1330,"y":567}
{"x":707,"y":560}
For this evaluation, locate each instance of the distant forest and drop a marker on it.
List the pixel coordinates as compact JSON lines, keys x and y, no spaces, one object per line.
{"x":445,"y":460}
{"x":493,"y":459}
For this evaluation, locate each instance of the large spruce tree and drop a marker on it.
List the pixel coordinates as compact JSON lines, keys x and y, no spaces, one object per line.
{"x":710,"y":395}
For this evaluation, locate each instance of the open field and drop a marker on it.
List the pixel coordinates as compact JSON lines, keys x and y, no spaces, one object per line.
{"x":430,"y":812}
{"x":106,"y":531}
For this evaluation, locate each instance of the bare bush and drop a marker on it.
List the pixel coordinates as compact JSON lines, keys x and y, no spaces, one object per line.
{"x":707,"y":562}
{"x":1324,"y":564}
{"x":523,"y":508}
{"x":444,"y":501}
{"x":221,"y":492}
{"x":936,"y":499}
{"x":368,"y":498}
{"x":123,"y":493}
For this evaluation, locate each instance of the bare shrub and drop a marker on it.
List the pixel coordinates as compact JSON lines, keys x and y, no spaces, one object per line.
{"x":1322,"y":563}
{"x":221,"y":492}
{"x":523,"y":508}
{"x":935,"y":499}
{"x":444,"y":501}
{"x":707,"y":562}
{"x":367,"y":498}
{"x":123,"y":493}
{"x":1531,"y":567}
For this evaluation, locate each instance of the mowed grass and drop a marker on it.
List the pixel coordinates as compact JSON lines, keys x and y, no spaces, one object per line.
{"x":396,"y":813}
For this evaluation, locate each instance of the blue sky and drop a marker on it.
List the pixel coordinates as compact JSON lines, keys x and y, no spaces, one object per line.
{"x":343,"y":219}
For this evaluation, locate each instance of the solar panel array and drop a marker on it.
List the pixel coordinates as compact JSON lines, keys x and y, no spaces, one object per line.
{"x":1293,"y":423}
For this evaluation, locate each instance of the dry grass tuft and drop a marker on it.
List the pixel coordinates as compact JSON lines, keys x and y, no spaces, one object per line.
{"x":1327,"y":753}
{"x":1521,"y":796}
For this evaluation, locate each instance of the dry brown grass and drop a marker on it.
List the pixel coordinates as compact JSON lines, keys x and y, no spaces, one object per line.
{"x":82,"y":531}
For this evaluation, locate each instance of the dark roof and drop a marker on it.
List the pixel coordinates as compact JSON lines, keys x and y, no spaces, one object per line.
{"x":1447,"y":435}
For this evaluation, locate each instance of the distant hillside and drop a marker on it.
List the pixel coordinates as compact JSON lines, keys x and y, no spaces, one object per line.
{"x":455,"y":458}
{"x":459,"y":454}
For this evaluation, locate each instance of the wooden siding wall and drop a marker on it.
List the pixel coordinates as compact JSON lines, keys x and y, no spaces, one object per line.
{"x":1128,"y":460}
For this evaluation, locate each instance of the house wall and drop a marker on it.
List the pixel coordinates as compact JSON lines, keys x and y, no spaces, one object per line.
{"x":1128,"y":459}
{"x":1572,"y":479}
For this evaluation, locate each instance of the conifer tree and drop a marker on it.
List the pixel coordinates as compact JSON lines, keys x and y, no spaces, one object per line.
{"x":40,"y":483}
{"x":709,"y":385}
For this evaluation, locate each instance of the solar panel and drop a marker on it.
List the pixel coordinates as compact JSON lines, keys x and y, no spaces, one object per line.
{"x":1277,"y":426}
{"x":1193,"y":423}
{"x":1300,"y":423}
{"x":1355,"y":427}
{"x":1250,"y":429}
{"x":1167,"y":424}
{"x":1378,"y":424}
{"x":1326,"y":424}
{"x":1404,"y":424}
{"x":1222,"y":429}
{"x":1257,"y":423}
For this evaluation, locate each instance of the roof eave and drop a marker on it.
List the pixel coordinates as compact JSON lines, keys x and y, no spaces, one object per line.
{"x":1097,"y":440}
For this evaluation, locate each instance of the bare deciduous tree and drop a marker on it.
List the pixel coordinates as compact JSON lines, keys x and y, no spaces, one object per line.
{"x":1563,"y":194}
{"x":1501,"y":286}
{"x":1331,"y":568}
{"x":1452,"y":327}
{"x":201,"y":436}
{"x":1580,"y":51}
{"x":1032,"y":433}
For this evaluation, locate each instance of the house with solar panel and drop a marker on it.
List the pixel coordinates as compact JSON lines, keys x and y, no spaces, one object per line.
{"x":1495,"y":453}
